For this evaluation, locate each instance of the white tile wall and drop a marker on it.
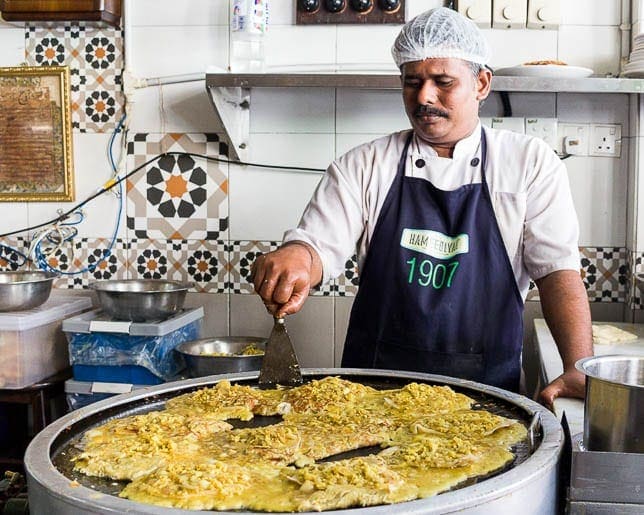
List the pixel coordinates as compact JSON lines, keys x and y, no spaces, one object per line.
{"x":639,"y":228}
{"x":168,"y":12}
{"x":366,"y":44}
{"x":597,"y":48}
{"x":92,"y":170}
{"x":14,"y":216}
{"x":599,"y":192}
{"x":265,"y":203}
{"x":310,"y":45}
{"x":306,"y":150}
{"x":12,"y":45}
{"x":591,"y":12}
{"x":275,"y":110}
{"x":144,"y":110}
{"x":184,"y":107}
{"x":370,"y":111}
{"x":513,"y":47}
{"x":170,"y":50}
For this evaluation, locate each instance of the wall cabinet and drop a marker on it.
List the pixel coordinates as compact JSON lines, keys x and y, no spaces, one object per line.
{"x":108,"y":11}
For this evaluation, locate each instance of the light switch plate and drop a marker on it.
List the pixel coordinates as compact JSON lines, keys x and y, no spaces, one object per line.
{"x":544,"y":14}
{"x":514,"y":124}
{"x":509,"y":14}
{"x":479,"y":11}
{"x":543,"y":128}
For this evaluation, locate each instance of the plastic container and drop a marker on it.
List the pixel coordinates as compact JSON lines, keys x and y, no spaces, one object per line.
{"x":80,"y":394}
{"x":105,"y":350}
{"x":32,"y":344}
{"x":248,"y":27}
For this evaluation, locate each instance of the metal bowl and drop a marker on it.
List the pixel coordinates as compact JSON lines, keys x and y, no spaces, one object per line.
{"x":140,"y":300}
{"x":221,"y":355}
{"x":24,"y":290}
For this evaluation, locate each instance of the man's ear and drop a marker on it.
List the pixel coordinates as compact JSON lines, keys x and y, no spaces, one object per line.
{"x":483,"y":84}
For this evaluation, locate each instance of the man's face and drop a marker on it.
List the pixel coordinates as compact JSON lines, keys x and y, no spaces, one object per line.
{"x":442,"y":98}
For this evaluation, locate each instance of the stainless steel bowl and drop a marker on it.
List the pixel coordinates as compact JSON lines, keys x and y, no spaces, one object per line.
{"x":221,"y":355}
{"x":24,"y":290}
{"x":140,"y":300}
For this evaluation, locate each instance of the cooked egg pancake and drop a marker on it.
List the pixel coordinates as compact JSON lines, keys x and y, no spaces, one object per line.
{"x":188,"y":457}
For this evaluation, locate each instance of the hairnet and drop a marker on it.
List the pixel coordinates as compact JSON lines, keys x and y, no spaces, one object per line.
{"x":440,"y":32}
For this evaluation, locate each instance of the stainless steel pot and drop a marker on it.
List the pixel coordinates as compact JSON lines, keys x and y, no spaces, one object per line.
{"x":529,"y":486}
{"x":614,"y":404}
{"x":24,"y":290}
{"x":140,"y":300}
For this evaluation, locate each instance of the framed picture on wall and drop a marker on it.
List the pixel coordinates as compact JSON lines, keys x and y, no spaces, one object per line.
{"x":36,"y":161}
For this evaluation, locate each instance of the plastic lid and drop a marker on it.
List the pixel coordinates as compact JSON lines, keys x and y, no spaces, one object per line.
{"x":56,"y":308}
{"x":85,"y":324}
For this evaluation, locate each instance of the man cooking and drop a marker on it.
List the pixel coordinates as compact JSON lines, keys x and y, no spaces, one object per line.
{"x":450,"y":221}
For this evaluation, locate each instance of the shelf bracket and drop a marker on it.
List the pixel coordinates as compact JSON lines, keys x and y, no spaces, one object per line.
{"x":232,"y":108}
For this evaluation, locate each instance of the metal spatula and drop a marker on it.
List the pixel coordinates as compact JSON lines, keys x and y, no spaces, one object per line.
{"x":279,"y":365}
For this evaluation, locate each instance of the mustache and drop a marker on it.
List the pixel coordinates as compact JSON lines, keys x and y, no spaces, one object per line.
{"x":424,"y":110}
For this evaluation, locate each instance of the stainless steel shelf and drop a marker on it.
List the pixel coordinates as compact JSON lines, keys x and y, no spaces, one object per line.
{"x":392,"y":81}
{"x":230,"y":92}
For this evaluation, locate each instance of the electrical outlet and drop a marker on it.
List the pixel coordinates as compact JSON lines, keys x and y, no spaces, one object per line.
{"x":543,"y":128}
{"x":479,"y":11}
{"x":573,"y":139}
{"x":605,"y":140}
{"x":514,"y":124}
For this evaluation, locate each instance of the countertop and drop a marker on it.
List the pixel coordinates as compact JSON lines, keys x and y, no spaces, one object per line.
{"x":551,"y":366}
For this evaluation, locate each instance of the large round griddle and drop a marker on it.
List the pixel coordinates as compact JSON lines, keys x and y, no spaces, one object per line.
{"x":50,"y":468}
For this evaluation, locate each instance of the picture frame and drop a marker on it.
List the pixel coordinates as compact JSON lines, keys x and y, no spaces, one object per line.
{"x":36,"y":158}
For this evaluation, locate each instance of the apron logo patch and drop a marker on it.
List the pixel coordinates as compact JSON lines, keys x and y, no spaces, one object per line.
{"x":434,"y":243}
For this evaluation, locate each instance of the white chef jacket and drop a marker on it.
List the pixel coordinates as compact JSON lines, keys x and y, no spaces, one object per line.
{"x":527,"y":181}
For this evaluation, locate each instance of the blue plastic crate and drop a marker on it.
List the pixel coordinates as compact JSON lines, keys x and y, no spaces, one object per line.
{"x":129,"y":352}
{"x":80,"y":394}
{"x":132,"y":374}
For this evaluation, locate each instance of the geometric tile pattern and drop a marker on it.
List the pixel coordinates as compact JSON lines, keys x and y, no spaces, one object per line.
{"x":637,"y":295}
{"x":91,"y":257}
{"x":604,"y":271}
{"x":347,"y":284}
{"x":200,"y":262}
{"x":242,"y":254}
{"x":13,"y":254}
{"x":177,"y":196}
{"x":94,"y":54}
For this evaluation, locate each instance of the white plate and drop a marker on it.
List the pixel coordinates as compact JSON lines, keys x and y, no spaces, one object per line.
{"x":633,"y":74}
{"x":545,"y":70}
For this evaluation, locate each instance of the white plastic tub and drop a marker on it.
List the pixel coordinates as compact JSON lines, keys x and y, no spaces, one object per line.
{"x":32,"y":343}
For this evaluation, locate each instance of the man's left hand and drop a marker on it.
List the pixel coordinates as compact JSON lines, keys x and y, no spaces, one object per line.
{"x":569,"y":384}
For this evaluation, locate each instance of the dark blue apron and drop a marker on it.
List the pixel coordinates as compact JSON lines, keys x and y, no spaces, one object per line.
{"x":437,"y":291}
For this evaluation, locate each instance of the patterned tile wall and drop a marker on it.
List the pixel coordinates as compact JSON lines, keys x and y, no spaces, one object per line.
{"x":94,"y":54}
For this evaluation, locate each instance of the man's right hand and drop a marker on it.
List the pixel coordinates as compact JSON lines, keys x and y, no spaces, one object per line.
{"x":284,"y":277}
